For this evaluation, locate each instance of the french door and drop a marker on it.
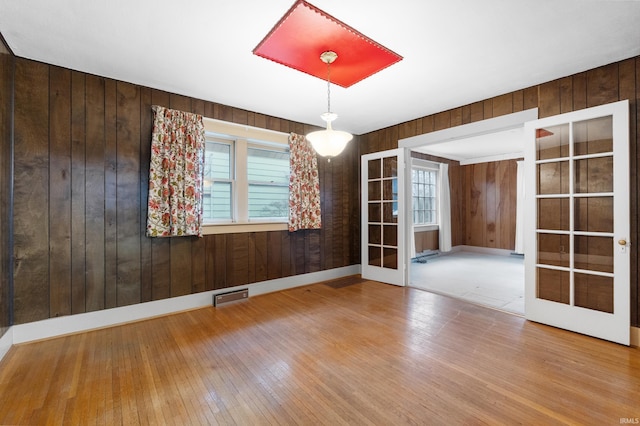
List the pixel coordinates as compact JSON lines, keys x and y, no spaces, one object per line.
{"x":577,"y":226}
{"x":383,"y":216}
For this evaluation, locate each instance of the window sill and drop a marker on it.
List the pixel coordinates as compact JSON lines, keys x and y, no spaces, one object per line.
{"x":424,"y":228}
{"x":234,"y":228}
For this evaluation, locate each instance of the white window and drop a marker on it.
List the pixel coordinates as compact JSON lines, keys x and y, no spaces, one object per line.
{"x":425,"y":195}
{"x":218,"y":180}
{"x":268,"y":182}
{"x":246,"y":180}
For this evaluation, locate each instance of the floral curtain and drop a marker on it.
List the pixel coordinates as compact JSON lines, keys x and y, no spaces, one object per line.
{"x":175,"y":174}
{"x":304,"y":185}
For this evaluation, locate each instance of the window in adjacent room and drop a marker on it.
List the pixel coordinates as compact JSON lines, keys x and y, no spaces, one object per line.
{"x":425,"y":195}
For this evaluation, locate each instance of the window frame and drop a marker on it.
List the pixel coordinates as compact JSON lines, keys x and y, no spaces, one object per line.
{"x":243,"y":137}
{"x":424,"y":165}
{"x":222,"y":139}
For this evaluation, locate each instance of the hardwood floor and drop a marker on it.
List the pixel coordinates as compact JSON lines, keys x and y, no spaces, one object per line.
{"x":339,"y":353}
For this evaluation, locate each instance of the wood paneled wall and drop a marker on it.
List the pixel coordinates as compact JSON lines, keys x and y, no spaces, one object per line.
{"x":82,"y":147}
{"x":6,"y":108}
{"x":609,"y":83}
{"x":427,"y":240}
{"x":490,"y":204}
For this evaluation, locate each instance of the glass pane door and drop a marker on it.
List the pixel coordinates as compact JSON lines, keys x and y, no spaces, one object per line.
{"x":383,"y":186}
{"x":578,"y":259}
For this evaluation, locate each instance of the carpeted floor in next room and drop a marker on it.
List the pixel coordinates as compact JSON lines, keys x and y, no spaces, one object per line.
{"x":490,"y":280}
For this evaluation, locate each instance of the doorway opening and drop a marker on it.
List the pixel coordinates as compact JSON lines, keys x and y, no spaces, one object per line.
{"x":482,"y":262}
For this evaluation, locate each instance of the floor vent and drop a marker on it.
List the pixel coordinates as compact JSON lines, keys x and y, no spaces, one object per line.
{"x":232,"y":296}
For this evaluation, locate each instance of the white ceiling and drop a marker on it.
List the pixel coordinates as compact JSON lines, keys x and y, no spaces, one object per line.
{"x":455,"y":51}
{"x":500,"y":145}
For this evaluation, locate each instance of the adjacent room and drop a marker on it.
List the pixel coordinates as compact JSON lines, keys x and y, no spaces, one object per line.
{"x":234,"y":212}
{"x":486,"y":272}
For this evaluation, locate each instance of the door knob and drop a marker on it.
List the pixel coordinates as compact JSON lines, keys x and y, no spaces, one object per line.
{"x":622,"y":242}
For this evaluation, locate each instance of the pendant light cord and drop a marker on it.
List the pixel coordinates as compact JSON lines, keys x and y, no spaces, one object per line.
{"x":328,"y":86}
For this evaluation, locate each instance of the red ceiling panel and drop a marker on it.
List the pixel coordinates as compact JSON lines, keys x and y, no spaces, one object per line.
{"x":305,"y":32}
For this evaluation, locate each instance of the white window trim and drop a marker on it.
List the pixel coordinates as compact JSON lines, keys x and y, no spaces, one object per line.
{"x":243,"y":136}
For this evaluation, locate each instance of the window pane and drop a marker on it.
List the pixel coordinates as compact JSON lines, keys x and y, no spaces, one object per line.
{"x":425,"y":196}
{"x":268,"y":175}
{"x":267,"y":166}
{"x":217,"y":200}
{"x":217,"y":161}
{"x":268,"y":201}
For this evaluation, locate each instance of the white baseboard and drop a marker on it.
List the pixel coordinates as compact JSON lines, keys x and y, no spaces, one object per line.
{"x":482,"y":250}
{"x":60,"y":326}
{"x":6,"y":341}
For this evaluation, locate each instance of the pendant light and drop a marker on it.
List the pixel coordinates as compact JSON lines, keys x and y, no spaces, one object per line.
{"x":329,"y":142}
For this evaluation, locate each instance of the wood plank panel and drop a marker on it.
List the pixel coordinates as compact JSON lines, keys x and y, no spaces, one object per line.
{"x":476,"y":199}
{"x":238,"y":262}
{"x":210,"y":262}
{"x":146,"y":257}
{"x":251,"y":261}
{"x":261,"y":256}
{"x":508,"y":223}
{"x":6,"y":141}
{"x":331,"y":220}
{"x":128,"y":194}
{"x":579,"y":85}
{"x":442,"y":120}
{"x":31,"y":192}
{"x":518,"y":100}
{"x":566,"y":94}
{"x":491,"y":202}
{"x":198,"y":265}
{"x":531,"y":98}
{"x":549,"y":99}
{"x":95,"y":161}
{"x":60,"y":191}
{"x":502,"y":105}
{"x":602,"y":85}
{"x":181,"y":276}
{"x":274,"y":255}
{"x":286,"y":257}
{"x":111,"y":194}
{"x":298,"y":251}
{"x":426,"y":240}
{"x":78,"y":187}
{"x":220,"y":272}
{"x":312,"y":263}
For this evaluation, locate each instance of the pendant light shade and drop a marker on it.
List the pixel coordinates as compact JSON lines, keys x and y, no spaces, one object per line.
{"x":329,"y":143}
